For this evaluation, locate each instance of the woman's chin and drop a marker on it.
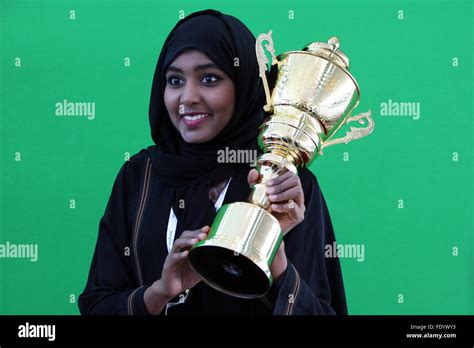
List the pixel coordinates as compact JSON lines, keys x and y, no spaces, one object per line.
{"x":195,"y":138}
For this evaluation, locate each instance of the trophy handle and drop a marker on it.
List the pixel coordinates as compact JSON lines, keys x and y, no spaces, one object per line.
{"x":263,"y":62}
{"x":354,"y":132}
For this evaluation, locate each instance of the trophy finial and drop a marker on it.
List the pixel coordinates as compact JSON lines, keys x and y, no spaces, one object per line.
{"x":334,"y":41}
{"x":329,"y":50}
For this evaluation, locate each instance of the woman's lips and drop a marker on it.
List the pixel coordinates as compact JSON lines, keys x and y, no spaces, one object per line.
{"x":194,"y":121}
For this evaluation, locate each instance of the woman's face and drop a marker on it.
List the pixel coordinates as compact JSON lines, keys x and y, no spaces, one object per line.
{"x":199,"y":96}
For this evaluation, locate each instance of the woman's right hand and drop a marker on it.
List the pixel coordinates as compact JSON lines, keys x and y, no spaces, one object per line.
{"x":177,"y":274}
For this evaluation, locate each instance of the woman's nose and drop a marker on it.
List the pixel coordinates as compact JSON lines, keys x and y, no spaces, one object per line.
{"x":190,"y":95}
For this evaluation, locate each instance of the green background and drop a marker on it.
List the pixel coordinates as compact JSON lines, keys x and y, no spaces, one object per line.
{"x":408,"y":251}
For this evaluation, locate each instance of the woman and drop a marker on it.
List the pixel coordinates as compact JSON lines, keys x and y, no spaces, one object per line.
{"x":206,"y":96}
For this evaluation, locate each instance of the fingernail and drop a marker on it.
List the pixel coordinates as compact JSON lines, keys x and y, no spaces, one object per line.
{"x":194,"y":241}
{"x":270,"y":190}
{"x":205,"y":228}
{"x":202,"y":235}
{"x":273,"y":197}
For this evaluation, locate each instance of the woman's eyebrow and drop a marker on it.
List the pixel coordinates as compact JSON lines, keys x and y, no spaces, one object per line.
{"x":196,"y":68}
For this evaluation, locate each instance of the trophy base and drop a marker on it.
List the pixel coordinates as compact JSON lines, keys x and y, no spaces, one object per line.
{"x":235,"y":258}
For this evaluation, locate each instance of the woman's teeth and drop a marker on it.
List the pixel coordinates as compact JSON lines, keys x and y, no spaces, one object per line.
{"x":194,"y":118}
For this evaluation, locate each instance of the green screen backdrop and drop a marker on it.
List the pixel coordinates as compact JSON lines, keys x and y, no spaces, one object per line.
{"x":401,"y":198}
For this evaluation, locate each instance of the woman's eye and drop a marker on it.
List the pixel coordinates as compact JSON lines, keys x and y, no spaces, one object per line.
{"x":174,"y":81}
{"x":210,"y":79}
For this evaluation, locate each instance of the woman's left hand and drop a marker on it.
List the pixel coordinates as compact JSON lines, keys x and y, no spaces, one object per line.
{"x":286,"y":197}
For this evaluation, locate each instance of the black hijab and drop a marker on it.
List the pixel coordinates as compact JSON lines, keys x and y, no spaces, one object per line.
{"x":191,"y":169}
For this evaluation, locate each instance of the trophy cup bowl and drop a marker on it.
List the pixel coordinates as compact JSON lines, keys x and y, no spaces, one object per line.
{"x":312,"y":96}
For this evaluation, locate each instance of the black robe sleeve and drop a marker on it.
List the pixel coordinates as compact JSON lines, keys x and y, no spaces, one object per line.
{"x":312,"y":284}
{"x":112,"y":287}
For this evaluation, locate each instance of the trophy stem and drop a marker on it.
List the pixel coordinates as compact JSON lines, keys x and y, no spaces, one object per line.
{"x":267,"y":171}
{"x":258,"y":195}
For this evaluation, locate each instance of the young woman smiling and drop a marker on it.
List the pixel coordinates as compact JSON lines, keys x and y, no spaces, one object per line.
{"x":206,"y":96}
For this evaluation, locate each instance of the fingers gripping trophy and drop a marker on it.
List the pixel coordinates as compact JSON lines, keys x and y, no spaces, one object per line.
{"x":311,"y":98}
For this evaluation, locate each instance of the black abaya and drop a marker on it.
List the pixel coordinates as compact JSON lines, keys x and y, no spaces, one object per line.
{"x":312,"y":283}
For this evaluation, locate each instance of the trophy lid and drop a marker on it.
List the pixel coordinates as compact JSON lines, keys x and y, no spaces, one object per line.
{"x":330,"y":51}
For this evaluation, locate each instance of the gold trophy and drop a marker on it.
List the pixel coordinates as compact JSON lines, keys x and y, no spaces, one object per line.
{"x":312,"y":97}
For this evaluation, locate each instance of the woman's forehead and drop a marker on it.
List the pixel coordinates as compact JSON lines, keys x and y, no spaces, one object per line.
{"x":192,"y":59}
